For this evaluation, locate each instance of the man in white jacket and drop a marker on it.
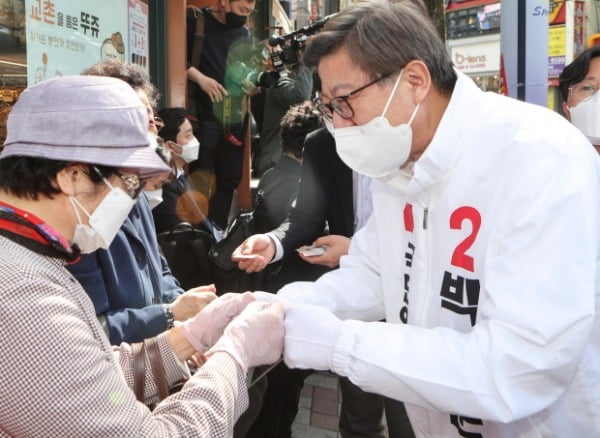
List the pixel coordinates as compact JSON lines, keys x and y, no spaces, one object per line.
{"x":481,"y":252}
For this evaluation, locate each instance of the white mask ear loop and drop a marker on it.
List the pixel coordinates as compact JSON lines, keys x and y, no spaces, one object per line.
{"x":75,"y":203}
{"x":389,"y":101}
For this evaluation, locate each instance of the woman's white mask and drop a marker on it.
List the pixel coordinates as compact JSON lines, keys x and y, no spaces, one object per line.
{"x":104,"y":222}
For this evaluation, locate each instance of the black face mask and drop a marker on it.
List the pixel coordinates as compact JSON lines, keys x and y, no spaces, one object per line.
{"x":234,"y":20}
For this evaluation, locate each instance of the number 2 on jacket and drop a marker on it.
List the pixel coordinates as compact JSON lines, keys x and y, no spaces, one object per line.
{"x":460,"y":258}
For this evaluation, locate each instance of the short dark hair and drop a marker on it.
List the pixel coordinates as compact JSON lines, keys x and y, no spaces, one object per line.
{"x":133,"y":74}
{"x":172,"y":118}
{"x":382,"y":37}
{"x":298,"y":121}
{"x":576,"y":71}
{"x":30,"y":177}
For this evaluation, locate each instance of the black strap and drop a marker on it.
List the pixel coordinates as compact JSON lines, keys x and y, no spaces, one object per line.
{"x":198,"y":37}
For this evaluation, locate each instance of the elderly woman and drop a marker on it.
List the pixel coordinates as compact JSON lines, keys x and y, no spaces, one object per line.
{"x":69,"y":175}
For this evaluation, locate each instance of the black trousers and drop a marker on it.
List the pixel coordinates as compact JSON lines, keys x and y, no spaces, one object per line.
{"x":361,"y":414}
{"x":221,"y":157}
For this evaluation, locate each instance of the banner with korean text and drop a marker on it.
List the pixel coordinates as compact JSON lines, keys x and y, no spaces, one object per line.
{"x":65,"y":37}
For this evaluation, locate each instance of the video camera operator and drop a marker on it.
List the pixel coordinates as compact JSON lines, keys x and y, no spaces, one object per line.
{"x":294,"y":86}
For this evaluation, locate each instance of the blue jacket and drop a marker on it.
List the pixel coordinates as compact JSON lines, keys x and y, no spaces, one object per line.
{"x":129,"y":281}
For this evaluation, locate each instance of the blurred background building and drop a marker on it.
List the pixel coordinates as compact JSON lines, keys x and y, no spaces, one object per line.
{"x":40,"y":39}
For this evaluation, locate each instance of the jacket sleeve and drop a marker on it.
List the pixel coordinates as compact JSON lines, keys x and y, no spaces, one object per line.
{"x":306,"y":220}
{"x":124,"y":280}
{"x":354,"y":290}
{"x":124,"y":324}
{"x":292,"y":90}
{"x":535,"y":315}
{"x":89,"y":378}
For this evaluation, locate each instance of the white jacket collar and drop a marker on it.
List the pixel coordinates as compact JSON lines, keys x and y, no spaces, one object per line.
{"x":445,"y":149}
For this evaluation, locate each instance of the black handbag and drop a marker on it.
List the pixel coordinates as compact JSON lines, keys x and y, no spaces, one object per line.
{"x":239,"y":229}
{"x":224,"y":272}
{"x":186,"y":250}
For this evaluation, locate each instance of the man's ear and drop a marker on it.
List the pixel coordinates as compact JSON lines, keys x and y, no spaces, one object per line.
{"x":68,"y":178}
{"x":418,"y":76}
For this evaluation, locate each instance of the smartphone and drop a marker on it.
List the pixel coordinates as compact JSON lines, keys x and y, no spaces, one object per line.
{"x":240,"y":257}
{"x":311,"y":250}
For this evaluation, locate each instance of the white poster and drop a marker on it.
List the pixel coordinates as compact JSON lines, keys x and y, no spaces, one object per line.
{"x":138,"y":33}
{"x":65,"y":37}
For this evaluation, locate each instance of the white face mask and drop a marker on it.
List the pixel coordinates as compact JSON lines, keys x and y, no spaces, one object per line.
{"x":376,"y":149}
{"x":586,"y":117}
{"x":189,"y":151}
{"x":104,"y":222}
{"x":155,"y":197}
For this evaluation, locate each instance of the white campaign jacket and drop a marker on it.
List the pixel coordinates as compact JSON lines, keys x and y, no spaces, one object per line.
{"x":483,"y":259}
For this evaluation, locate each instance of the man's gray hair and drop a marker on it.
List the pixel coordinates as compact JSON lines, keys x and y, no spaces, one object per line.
{"x":382,"y":37}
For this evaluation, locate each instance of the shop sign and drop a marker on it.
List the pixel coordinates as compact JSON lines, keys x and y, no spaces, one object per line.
{"x":557,"y":37}
{"x":65,"y":37}
{"x":478,"y":57}
{"x":138,"y":33}
{"x":578,"y":27}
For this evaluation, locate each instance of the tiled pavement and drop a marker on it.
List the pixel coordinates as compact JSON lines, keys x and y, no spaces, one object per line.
{"x":318,"y":412}
{"x":319,"y":409}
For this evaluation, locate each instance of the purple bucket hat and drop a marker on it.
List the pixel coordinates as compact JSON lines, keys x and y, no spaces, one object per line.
{"x":84,"y":119}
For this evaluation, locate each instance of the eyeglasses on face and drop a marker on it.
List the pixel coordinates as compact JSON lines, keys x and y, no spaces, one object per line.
{"x":341,"y":104}
{"x":583,"y":91}
{"x":133,"y":183}
{"x":158,"y":122}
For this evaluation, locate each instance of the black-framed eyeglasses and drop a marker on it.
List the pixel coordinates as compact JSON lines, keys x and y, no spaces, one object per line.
{"x":583,"y":91}
{"x":133,"y":183}
{"x":341,"y":104}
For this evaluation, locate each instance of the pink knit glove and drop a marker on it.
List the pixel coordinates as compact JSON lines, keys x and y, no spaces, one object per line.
{"x":204,"y":329}
{"x":255,"y":337}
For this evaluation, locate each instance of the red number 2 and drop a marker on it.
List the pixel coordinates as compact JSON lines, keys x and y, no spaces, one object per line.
{"x":460,"y":257}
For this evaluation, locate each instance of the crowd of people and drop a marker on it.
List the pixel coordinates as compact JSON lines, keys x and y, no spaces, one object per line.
{"x":435,"y":246}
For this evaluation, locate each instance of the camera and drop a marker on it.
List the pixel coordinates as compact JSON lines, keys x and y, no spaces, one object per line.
{"x":239,"y":77}
{"x":293,"y":43}
{"x":265,"y":79}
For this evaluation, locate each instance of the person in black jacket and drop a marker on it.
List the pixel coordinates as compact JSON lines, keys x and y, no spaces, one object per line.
{"x":329,"y":195}
{"x":278,"y":187}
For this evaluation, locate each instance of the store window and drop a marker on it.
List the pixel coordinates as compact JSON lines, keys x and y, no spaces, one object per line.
{"x":13,"y":63}
{"x":489,"y":82}
{"x":468,"y":22}
{"x":43,"y":39}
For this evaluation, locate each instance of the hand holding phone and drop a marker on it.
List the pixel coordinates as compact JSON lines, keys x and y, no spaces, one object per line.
{"x":240,"y":257}
{"x":311,"y":250}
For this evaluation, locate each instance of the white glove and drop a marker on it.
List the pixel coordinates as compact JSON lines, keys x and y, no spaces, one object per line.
{"x":204,"y":329}
{"x":255,"y":337}
{"x":267,"y":297}
{"x":310,"y":336}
